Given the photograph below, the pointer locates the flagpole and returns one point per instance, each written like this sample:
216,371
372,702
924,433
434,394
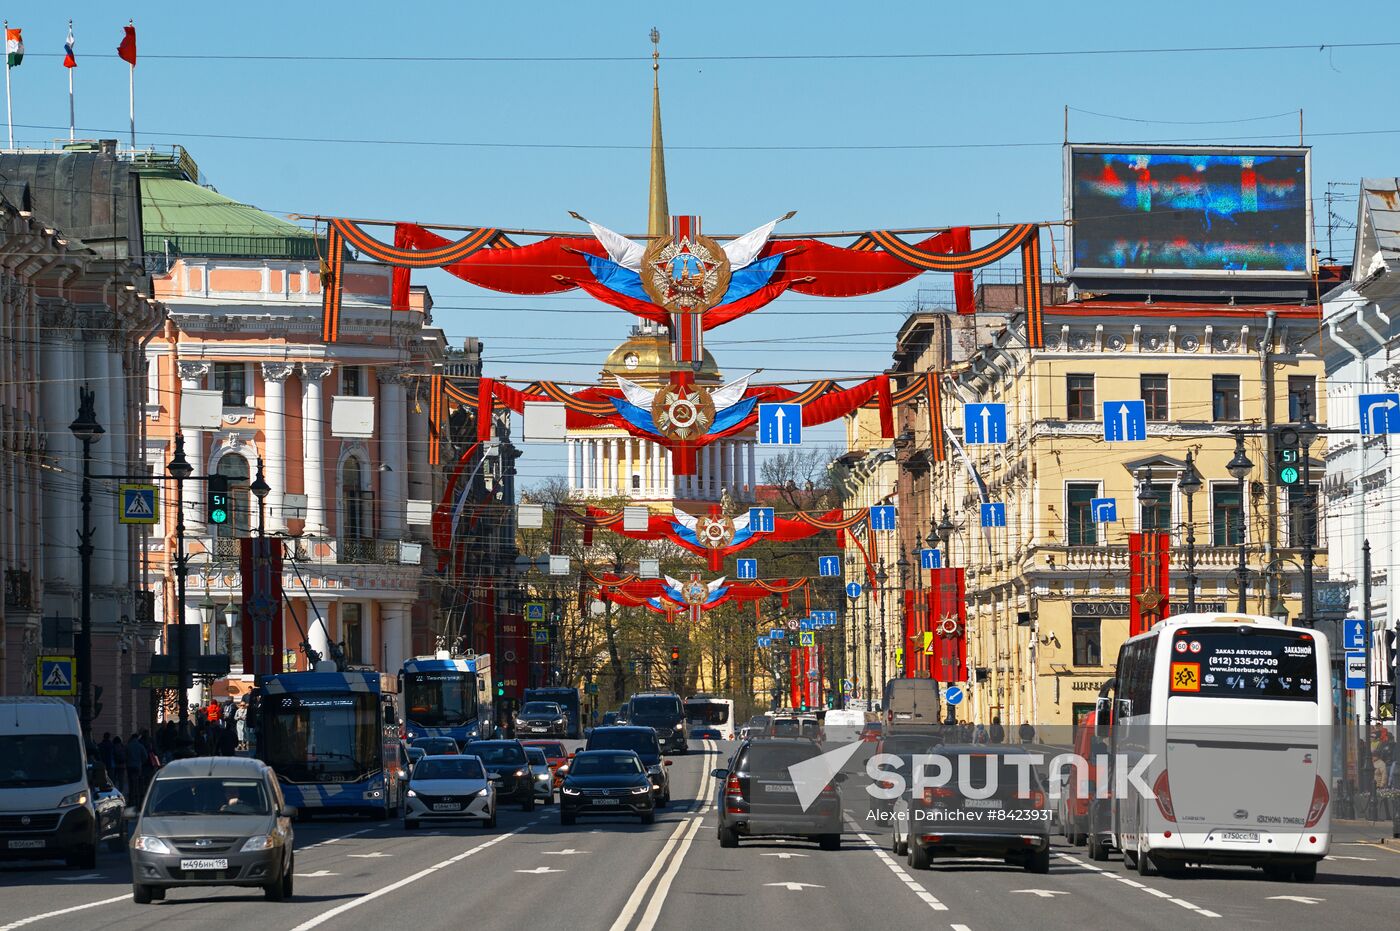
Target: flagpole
9,111
131,94
71,120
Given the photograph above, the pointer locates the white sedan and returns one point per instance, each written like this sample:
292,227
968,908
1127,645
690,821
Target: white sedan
449,788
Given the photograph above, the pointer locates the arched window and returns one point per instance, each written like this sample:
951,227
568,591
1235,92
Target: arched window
355,501
235,468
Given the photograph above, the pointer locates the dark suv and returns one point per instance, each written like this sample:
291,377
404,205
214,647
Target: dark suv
758,798
663,713
641,741
508,768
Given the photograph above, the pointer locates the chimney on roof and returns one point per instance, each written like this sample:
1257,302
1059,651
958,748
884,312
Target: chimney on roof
107,146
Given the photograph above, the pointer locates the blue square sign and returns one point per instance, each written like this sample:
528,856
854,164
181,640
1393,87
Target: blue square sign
882,517
1353,634
780,425
1380,413
829,565
805,624
994,514
1103,510
765,642
930,559
778,633
760,520
746,568
1125,421
984,423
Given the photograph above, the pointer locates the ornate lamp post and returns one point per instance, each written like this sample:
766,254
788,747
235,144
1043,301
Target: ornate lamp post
903,566
180,469
881,577
88,431
1239,468
260,489
1189,482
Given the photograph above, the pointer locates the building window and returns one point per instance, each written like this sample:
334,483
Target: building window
1158,516
1225,397
235,468
232,379
1079,397
1226,516
1081,529
1154,395
1088,647
1302,523
1302,392
350,621
636,482
350,381
355,501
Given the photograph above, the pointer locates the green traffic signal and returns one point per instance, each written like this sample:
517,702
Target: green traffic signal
1288,475
218,499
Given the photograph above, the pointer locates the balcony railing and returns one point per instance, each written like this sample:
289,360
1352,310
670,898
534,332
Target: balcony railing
1116,556
364,550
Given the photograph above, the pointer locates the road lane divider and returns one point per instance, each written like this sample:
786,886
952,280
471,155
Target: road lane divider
63,911
1134,884
663,885
912,884
634,901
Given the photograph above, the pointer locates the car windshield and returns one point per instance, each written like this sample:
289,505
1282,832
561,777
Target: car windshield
207,795
446,768
553,751
639,742
786,727
605,764
662,708
39,760
810,728
498,754
536,756
436,744
542,708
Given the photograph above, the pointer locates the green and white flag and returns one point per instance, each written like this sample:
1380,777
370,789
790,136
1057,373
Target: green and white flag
14,48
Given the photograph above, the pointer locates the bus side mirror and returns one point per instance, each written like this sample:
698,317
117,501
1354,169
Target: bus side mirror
1124,708
481,683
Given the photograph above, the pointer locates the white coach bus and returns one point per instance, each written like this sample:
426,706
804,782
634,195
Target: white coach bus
1234,714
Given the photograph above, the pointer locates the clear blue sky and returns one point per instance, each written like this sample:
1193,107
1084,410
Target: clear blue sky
1010,108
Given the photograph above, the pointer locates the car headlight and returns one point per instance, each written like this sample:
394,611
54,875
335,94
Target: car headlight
563,767
680,727
412,794
568,791
520,772
261,842
486,791
641,790
543,777
558,720
77,798
150,843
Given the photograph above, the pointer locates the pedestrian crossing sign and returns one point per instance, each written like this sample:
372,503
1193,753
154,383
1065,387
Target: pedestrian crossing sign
56,676
140,504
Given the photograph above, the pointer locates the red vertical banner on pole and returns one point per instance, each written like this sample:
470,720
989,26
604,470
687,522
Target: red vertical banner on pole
947,605
1149,580
260,564
913,635
794,677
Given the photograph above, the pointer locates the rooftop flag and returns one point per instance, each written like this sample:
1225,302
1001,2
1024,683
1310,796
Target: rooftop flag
127,50
68,60
14,48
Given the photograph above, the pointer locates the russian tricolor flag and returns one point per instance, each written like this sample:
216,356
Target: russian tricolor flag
68,60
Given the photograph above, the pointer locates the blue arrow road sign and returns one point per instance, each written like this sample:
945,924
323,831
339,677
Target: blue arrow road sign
1356,669
779,424
953,695
984,423
882,517
853,589
930,559
1353,634
1124,421
746,568
1380,413
994,514
805,624
827,617
760,520
829,565
765,642
778,633
1104,510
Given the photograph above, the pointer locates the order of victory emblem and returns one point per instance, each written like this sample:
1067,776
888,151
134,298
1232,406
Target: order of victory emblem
714,532
696,592
682,412
688,273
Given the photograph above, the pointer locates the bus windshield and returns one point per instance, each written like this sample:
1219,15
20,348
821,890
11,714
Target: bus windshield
442,698
317,737
1231,662
704,712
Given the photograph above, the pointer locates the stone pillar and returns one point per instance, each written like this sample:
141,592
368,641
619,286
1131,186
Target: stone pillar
608,469
419,480
313,444
393,440
668,481
391,631
318,631
712,469
570,451
753,471
192,375
585,462
369,652
274,443
59,401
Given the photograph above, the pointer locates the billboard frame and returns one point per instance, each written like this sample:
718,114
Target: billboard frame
1072,270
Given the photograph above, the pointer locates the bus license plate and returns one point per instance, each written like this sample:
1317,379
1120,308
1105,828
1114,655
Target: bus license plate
1244,837
607,801
446,806
26,844
194,865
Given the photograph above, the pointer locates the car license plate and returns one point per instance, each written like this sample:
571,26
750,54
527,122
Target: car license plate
189,865
780,787
539,728
26,844
607,801
983,803
446,806
1240,837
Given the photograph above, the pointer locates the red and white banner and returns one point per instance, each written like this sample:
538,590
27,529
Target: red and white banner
1149,580
260,563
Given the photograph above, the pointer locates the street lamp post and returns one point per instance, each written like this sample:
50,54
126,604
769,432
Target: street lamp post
88,431
1307,434
260,489
180,469
881,577
1189,482
1239,467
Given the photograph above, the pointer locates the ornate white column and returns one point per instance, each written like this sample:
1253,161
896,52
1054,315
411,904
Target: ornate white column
393,445
608,470
712,470
570,451
313,444
275,441
318,632
753,472
393,621
585,463
192,375
668,481
59,403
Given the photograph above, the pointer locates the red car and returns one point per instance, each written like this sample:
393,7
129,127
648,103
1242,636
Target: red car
872,732
555,755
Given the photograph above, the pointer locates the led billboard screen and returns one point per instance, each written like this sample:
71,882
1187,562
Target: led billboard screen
1188,211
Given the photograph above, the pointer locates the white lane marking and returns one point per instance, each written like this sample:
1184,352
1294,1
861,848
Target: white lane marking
795,887
1300,899
369,856
566,852
644,885
1042,893
1366,859
783,856
62,911
335,840
316,875
1189,906
931,901
540,871
385,890
663,885
961,928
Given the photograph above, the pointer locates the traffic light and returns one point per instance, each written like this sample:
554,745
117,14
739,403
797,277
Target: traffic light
96,701
1286,458
675,656
500,690
218,499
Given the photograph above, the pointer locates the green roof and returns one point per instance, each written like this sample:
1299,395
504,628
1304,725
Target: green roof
186,219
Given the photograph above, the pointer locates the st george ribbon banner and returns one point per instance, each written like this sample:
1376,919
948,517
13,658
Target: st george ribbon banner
260,560
1149,580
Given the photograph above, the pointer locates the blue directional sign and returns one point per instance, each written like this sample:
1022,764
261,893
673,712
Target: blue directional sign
829,565
806,623
824,618
760,520
807,639
765,642
778,633
1353,634
953,695
882,517
746,568
1380,413
1103,510
994,514
1124,421
1356,669
984,423
779,424
930,559
853,589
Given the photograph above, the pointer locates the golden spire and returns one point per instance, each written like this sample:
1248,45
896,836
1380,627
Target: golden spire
658,212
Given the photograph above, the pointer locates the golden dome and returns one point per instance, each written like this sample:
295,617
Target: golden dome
645,357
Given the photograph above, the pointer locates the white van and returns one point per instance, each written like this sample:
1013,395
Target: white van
46,804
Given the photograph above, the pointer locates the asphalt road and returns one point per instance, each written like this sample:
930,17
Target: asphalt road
619,874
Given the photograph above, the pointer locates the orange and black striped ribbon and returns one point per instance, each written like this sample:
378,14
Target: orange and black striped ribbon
435,406
937,443
994,251
1030,273
332,267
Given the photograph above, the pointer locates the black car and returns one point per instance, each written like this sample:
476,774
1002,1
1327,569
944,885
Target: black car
757,797
1007,822
641,741
508,768
541,719
606,782
610,718
663,713
436,746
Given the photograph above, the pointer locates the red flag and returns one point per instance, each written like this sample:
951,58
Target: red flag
1149,580
127,50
